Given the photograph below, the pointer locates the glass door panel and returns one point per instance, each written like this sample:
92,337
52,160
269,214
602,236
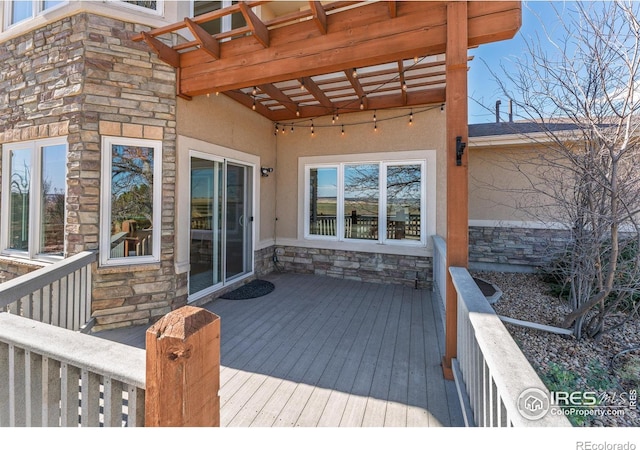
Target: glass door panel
221,223
206,220
238,222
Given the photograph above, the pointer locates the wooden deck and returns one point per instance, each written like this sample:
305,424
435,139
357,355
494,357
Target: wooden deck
321,351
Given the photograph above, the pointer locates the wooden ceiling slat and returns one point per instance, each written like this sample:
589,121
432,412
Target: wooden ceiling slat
317,93
277,94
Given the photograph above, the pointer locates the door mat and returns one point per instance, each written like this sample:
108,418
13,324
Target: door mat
253,289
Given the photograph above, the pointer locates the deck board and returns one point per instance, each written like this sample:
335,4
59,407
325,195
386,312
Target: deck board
320,351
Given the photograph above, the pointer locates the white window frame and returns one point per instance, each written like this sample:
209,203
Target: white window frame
426,160
35,203
159,11
105,202
36,10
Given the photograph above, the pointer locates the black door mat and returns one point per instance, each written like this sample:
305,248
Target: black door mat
253,289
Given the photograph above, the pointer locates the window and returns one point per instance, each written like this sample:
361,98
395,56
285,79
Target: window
19,10
223,24
33,194
131,196
144,6
383,202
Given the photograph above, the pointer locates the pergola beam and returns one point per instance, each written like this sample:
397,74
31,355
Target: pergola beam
362,36
164,52
207,42
319,16
258,28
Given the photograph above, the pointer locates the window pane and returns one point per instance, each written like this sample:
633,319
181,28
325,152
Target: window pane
53,199
131,201
323,201
46,4
226,23
404,188
20,166
21,10
145,4
361,192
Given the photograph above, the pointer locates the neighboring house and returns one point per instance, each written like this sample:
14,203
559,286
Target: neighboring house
120,141
511,227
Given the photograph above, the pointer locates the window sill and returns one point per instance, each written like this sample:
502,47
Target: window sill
133,267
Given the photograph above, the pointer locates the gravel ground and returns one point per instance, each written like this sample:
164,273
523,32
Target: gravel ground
577,366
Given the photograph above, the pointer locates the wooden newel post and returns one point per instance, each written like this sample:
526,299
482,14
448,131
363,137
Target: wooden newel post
183,370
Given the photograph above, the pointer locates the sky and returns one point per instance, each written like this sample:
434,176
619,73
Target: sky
483,89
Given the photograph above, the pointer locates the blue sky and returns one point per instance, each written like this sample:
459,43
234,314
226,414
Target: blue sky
482,86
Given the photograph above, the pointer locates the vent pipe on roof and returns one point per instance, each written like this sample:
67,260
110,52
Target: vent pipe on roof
498,111
510,111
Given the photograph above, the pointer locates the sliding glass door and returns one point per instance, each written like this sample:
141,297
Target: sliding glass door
221,245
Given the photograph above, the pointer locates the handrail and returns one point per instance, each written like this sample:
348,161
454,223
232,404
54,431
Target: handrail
58,294
67,378
495,373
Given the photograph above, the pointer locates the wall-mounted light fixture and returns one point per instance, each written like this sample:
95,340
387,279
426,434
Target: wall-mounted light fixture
460,146
265,171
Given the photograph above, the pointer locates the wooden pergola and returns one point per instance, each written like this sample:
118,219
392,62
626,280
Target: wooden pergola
343,56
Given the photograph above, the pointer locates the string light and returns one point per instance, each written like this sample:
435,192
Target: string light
361,104
208,95
404,86
276,132
302,86
255,90
333,119
312,126
354,74
442,107
337,115
297,111
254,104
217,93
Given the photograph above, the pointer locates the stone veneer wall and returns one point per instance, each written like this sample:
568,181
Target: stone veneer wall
360,266
525,248
82,77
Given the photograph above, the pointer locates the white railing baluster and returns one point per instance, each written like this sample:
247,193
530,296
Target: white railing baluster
90,399
50,392
4,386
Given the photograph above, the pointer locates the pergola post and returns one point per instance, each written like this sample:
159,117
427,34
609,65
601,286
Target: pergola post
457,170
183,370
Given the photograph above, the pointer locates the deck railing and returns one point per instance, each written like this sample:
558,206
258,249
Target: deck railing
54,377
59,294
502,388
